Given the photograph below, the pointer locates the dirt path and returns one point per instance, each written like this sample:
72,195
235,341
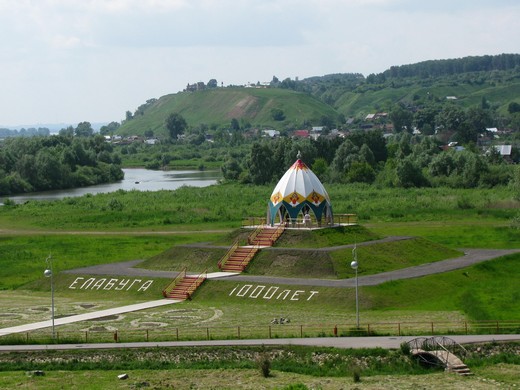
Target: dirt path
32,232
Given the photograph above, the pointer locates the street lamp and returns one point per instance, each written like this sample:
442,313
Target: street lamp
49,274
354,265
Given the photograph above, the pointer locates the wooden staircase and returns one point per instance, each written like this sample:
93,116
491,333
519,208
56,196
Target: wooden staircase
183,286
235,260
266,235
238,257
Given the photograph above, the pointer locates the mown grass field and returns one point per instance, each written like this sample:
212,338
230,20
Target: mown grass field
251,379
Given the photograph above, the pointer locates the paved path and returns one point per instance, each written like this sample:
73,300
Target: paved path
471,256
337,342
86,316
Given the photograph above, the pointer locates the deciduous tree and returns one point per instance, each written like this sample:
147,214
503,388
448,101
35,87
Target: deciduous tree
176,125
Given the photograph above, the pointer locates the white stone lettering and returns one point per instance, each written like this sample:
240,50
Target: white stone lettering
109,284
272,292
87,283
295,295
135,281
247,287
287,292
255,294
232,291
267,296
312,294
98,284
122,284
145,285
75,282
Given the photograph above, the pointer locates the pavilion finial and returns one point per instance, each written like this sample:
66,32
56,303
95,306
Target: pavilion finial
299,155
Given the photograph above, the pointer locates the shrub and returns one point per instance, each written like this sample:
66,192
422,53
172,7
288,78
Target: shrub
9,202
115,204
264,364
464,203
356,374
405,349
515,222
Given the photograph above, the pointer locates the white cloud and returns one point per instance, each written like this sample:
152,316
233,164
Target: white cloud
95,59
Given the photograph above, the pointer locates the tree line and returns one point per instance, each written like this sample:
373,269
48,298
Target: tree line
404,160
23,132
56,162
436,68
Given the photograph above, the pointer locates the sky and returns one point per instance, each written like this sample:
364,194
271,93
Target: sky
69,61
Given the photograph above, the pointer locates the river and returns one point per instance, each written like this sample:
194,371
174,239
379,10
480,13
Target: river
135,179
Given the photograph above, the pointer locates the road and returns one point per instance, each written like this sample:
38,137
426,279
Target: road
337,342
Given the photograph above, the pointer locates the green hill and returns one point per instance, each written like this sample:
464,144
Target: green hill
366,99
328,100
309,254
216,107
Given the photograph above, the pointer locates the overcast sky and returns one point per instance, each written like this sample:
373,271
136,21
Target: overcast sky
67,61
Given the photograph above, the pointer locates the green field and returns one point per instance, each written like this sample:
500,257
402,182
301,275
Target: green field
193,227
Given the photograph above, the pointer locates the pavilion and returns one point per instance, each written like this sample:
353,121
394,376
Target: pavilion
299,192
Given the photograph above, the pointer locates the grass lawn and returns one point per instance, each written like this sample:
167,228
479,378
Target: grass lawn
251,379
456,234
23,256
286,367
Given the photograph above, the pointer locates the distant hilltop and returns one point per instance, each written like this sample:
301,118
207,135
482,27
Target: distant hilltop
53,128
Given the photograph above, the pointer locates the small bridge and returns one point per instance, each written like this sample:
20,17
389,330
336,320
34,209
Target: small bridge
440,351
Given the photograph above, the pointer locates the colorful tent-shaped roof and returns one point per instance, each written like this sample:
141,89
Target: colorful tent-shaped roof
298,191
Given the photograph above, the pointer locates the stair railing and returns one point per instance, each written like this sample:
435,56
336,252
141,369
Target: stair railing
250,254
169,288
196,283
223,260
277,233
254,234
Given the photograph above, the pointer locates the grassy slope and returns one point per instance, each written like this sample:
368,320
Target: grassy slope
485,291
308,262
352,103
23,257
220,105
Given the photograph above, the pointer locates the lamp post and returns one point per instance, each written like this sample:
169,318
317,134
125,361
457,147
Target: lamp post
49,274
354,265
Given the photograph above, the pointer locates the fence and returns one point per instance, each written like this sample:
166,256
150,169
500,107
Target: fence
299,223
271,331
